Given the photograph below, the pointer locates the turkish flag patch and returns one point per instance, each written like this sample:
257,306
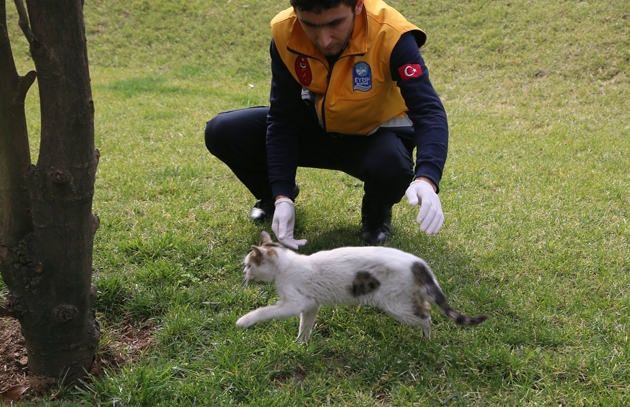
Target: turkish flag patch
409,71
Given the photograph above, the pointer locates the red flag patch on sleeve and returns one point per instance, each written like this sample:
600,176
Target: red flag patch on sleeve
409,71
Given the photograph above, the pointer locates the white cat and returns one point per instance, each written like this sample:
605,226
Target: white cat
399,283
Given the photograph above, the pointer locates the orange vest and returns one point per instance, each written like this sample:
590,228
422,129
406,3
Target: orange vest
360,95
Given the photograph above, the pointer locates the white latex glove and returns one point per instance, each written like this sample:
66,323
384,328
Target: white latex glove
283,223
431,216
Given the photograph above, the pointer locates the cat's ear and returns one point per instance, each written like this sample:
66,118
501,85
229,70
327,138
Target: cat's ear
264,238
256,256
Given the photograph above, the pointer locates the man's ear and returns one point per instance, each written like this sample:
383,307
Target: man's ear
358,8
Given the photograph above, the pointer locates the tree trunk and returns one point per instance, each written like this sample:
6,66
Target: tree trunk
15,218
46,252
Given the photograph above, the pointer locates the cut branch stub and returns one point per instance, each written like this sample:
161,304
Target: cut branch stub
65,312
96,222
4,252
58,176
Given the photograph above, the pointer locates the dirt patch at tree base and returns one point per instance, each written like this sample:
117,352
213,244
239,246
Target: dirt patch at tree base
13,359
120,345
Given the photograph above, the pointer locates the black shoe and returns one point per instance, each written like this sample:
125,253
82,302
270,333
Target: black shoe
376,223
264,208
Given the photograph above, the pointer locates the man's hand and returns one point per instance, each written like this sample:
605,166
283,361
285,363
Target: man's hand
431,216
283,223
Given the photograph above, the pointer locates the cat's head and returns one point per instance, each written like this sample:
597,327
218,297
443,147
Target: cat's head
260,263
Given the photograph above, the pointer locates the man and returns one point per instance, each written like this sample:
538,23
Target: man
349,92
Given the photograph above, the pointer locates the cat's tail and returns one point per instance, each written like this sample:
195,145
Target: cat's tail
459,318
424,277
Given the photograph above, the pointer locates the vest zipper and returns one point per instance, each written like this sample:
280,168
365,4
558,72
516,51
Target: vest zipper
326,95
327,80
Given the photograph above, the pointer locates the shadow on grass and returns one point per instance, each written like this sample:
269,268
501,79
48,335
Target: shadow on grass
327,239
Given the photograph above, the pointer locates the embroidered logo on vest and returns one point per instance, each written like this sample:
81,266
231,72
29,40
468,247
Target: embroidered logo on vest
362,77
303,70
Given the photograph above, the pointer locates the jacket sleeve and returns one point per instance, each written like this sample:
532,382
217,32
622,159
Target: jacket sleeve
425,109
282,148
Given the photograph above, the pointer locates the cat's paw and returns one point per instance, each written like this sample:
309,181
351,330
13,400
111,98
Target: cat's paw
245,322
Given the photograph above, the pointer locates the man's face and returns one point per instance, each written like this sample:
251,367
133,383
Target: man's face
330,29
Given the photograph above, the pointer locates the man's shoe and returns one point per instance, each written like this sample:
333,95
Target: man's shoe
264,208
376,224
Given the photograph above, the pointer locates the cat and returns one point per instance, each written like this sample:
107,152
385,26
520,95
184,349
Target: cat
399,283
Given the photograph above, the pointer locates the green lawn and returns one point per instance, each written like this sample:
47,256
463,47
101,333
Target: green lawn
536,194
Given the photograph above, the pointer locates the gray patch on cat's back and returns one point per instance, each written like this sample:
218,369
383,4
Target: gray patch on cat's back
364,283
421,274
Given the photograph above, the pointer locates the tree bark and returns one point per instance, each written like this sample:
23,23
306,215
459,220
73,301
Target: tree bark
46,261
15,218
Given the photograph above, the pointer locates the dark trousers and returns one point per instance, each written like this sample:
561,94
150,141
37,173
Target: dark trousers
383,160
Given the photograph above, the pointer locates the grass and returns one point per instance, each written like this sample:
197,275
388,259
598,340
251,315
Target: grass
535,193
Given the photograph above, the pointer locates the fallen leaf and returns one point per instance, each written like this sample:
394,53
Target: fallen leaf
13,394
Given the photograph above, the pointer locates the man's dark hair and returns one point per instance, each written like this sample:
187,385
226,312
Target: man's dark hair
317,6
